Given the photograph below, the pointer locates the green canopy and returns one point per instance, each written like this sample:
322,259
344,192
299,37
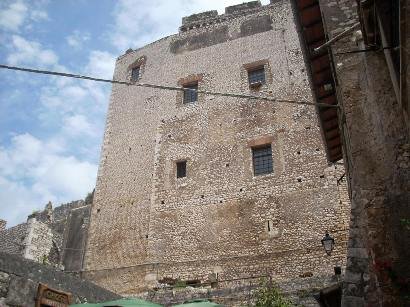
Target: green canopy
131,302
198,303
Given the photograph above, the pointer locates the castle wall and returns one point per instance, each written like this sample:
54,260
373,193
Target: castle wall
146,224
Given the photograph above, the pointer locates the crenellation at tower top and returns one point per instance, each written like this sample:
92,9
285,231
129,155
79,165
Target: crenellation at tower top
203,19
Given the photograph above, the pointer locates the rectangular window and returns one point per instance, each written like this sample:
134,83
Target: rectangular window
181,169
190,95
135,73
256,76
262,160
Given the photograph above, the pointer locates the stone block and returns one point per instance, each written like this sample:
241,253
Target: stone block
22,292
234,9
352,301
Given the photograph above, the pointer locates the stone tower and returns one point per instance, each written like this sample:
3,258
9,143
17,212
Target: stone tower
196,185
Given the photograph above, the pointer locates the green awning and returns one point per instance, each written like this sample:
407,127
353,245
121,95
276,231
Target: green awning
134,302
198,303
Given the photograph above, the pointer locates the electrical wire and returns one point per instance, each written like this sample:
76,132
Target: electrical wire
165,87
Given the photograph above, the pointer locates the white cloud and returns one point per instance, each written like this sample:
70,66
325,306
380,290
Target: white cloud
13,16
101,64
77,39
78,124
38,15
30,53
33,171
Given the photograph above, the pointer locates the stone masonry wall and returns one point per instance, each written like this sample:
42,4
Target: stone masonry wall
56,236
38,241
300,292
19,280
11,239
147,225
377,146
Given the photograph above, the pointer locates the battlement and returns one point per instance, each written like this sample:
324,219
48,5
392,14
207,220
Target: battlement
211,17
3,224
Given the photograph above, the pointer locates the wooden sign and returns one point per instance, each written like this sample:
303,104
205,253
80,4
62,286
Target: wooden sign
50,297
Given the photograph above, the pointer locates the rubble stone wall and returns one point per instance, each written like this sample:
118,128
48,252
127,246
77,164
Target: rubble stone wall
19,280
55,236
147,225
377,151
38,241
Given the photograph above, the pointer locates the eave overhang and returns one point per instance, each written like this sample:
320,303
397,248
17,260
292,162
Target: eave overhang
309,19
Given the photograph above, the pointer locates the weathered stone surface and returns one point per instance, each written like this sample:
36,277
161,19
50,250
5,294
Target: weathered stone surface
147,225
239,8
25,275
53,236
198,17
4,284
201,40
376,130
22,292
256,25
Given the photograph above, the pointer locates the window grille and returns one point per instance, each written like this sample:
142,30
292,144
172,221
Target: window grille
135,74
190,96
256,76
262,160
181,169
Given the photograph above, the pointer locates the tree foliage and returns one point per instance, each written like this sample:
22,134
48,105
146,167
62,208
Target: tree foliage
269,295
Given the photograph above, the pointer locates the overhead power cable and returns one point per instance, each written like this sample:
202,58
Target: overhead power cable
165,87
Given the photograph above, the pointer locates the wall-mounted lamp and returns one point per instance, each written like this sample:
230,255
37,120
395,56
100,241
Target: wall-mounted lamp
328,243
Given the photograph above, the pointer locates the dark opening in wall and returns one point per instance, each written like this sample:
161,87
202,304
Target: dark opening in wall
256,77
162,202
299,179
181,169
190,92
135,73
262,159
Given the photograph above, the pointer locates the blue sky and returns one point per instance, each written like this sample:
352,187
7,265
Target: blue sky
51,128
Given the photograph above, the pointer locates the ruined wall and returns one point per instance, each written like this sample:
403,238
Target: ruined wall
377,156
11,239
53,236
38,241
146,224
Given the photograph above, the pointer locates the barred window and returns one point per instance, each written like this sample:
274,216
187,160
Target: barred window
135,74
189,95
181,169
262,160
256,76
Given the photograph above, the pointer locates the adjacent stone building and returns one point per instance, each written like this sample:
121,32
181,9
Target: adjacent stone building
201,187
371,80
52,236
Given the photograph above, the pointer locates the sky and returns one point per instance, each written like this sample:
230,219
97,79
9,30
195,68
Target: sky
51,128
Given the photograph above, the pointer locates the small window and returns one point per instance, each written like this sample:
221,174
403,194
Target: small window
181,169
191,94
256,76
262,160
135,74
